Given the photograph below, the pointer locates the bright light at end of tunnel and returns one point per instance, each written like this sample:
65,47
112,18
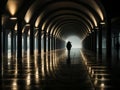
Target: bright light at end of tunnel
75,41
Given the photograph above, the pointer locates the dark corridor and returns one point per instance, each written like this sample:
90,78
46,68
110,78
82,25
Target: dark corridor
33,38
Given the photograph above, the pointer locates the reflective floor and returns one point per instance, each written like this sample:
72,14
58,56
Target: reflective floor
58,71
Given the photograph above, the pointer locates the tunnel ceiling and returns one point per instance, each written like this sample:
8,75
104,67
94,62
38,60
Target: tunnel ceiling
61,18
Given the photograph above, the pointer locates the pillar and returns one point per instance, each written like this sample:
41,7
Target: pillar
0,34
100,40
49,37
1,12
52,40
2,6
19,39
25,42
88,42
44,41
39,41
117,45
4,41
31,40
12,36
95,41
114,40
14,45
91,41
85,43
109,39
54,43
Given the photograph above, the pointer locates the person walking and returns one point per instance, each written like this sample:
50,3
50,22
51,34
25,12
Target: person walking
69,46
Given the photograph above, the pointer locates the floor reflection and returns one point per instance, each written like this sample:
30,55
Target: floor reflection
50,70
99,73
68,60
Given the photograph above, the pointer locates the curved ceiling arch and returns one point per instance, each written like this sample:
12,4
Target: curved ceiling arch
88,10
62,21
53,28
32,10
66,12
68,5
70,17
94,6
74,12
80,33
59,18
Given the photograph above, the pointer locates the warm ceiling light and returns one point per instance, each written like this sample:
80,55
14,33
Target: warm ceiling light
28,16
27,24
12,6
13,18
38,20
28,32
43,26
94,20
102,23
23,30
36,28
16,27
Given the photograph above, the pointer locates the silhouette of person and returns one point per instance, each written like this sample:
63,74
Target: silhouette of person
68,46
68,60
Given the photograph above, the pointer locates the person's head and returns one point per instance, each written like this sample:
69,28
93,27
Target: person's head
69,42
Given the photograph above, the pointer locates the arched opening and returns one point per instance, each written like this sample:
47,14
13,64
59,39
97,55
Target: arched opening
75,41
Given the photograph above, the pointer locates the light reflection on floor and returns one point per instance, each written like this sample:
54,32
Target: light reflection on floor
32,71
99,74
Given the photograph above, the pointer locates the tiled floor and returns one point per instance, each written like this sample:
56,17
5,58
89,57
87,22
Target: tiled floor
57,71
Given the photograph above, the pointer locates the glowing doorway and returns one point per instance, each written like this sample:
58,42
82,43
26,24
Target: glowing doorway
75,41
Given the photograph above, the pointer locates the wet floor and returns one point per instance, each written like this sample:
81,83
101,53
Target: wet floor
57,71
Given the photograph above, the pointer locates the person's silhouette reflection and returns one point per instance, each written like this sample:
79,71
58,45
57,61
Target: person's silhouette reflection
68,61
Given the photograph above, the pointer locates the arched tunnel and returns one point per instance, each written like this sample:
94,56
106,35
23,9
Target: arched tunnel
34,36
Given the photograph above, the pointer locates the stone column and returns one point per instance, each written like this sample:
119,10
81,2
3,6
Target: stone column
95,41
55,47
19,39
0,34
100,40
25,42
44,41
49,37
31,40
52,41
39,41
109,38
12,36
